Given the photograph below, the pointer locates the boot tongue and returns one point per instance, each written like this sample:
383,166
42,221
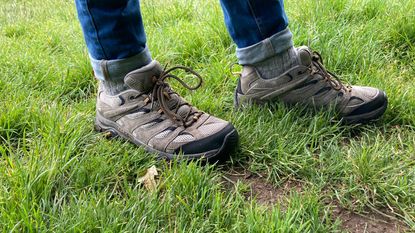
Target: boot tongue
142,79
184,109
305,55
177,100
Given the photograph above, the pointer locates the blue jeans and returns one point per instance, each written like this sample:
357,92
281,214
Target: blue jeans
116,40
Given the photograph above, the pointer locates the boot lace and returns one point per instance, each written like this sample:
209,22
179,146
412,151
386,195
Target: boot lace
163,93
332,79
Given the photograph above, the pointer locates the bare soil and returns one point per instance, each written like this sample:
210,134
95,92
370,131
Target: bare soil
370,222
268,195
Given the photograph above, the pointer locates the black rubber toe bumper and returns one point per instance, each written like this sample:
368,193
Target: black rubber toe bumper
221,144
370,111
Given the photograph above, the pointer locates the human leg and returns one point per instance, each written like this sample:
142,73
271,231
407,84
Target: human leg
274,70
134,100
259,29
115,37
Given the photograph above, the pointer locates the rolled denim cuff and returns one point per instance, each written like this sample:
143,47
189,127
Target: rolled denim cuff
265,49
105,70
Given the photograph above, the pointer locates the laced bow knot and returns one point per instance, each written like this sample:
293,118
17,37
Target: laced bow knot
329,77
162,93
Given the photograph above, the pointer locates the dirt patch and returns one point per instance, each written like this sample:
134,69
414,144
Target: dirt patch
264,192
268,195
371,222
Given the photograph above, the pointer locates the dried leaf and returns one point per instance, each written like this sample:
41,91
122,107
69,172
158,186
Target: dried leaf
149,179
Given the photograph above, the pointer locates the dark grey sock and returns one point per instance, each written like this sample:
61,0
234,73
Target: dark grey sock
114,81
111,73
278,64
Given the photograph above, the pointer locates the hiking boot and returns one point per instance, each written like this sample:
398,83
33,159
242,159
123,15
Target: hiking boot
311,84
150,114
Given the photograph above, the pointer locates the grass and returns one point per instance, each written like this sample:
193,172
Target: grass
57,174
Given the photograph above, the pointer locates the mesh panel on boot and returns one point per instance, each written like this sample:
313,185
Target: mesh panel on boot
163,134
184,138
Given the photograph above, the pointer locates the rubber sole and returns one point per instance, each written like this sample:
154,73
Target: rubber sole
230,143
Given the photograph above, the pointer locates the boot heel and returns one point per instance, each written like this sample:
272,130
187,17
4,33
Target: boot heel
108,133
